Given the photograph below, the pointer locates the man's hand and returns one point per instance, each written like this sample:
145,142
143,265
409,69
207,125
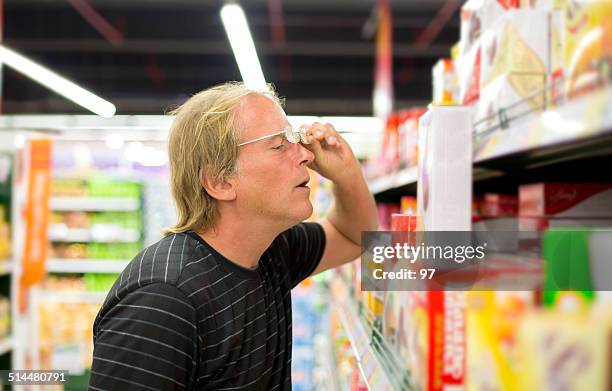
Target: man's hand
334,158
353,209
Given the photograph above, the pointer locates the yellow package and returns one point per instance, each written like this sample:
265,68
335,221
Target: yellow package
564,352
492,321
519,43
588,43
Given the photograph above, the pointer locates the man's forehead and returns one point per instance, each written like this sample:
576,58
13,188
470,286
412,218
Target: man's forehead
261,116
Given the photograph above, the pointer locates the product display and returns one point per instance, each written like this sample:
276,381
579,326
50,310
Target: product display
65,339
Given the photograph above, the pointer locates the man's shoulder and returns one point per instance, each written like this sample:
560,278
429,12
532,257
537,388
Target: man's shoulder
165,261
298,235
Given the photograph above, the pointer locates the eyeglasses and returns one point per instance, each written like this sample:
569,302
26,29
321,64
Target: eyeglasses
290,134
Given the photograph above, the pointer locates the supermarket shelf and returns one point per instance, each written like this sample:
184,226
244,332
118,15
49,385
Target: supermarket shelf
372,370
402,178
580,128
85,266
72,296
566,130
6,345
94,204
60,233
6,267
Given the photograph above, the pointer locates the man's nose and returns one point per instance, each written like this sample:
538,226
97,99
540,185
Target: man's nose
305,155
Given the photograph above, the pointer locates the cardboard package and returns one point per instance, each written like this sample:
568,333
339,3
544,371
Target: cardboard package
492,320
469,75
577,266
477,16
444,194
445,82
588,44
517,44
558,351
566,200
432,340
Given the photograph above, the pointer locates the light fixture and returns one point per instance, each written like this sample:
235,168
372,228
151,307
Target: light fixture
56,83
239,35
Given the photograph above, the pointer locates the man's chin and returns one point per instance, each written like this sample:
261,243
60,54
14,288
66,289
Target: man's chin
306,214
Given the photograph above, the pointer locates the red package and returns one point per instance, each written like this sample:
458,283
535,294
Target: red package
435,333
566,200
498,205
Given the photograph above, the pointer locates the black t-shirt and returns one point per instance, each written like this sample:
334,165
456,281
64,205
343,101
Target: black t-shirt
183,317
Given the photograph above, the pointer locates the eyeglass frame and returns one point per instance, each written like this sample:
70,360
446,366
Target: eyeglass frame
294,138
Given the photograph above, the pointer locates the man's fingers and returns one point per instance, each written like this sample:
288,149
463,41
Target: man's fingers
323,132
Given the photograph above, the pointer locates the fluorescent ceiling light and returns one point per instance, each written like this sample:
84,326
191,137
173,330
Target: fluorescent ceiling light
239,35
57,83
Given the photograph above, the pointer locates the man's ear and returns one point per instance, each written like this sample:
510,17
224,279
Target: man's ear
223,190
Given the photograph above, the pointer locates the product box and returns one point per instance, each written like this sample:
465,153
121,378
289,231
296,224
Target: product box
385,210
391,313
508,93
577,260
391,144
444,193
556,34
469,75
588,44
478,16
408,128
492,320
558,351
435,343
498,205
445,82
566,200
408,205
518,43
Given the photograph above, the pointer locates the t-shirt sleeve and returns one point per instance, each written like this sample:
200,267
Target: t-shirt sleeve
147,341
302,248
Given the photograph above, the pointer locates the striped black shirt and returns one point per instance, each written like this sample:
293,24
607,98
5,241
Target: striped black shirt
183,317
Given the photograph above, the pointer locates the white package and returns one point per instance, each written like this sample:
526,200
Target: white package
444,195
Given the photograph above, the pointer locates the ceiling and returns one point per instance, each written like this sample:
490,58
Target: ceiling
149,55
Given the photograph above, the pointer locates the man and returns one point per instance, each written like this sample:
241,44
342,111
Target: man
208,307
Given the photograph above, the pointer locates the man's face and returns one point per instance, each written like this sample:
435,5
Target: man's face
271,173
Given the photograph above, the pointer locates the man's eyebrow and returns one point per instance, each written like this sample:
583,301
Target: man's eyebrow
275,138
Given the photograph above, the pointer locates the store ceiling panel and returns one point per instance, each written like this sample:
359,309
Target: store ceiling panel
318,53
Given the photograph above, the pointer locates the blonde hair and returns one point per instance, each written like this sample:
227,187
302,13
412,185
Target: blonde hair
204,136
